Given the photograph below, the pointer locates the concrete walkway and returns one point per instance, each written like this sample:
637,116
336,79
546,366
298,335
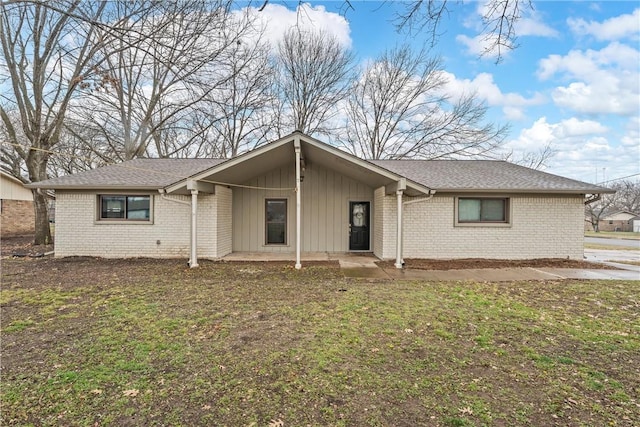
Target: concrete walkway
511,274
364,266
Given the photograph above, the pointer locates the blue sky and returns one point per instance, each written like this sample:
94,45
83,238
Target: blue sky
573,82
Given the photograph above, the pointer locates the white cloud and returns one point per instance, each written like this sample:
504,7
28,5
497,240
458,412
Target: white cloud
583,147
481,45
277,19
605,81
533,26
483,85
615,28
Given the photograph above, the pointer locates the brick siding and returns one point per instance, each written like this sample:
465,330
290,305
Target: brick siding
541,227
167,236
17,218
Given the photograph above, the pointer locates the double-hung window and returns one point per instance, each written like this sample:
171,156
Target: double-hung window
482,210
276,221
125,208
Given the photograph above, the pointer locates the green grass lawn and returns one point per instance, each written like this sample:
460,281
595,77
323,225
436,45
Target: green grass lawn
93,343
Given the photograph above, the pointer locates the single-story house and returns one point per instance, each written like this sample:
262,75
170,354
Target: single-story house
298,195
17,215
616,221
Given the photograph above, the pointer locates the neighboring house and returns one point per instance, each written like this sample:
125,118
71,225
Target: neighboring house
635,224
299,195
17,215
617,221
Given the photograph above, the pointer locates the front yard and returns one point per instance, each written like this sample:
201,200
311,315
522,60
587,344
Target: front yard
143,342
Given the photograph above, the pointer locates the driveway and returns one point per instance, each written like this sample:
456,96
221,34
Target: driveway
600,255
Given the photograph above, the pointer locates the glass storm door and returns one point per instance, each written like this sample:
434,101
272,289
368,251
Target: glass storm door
359,226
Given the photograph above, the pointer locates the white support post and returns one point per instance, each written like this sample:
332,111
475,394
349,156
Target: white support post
398,263
298,203
193,261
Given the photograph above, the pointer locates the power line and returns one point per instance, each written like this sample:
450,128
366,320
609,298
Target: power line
618,179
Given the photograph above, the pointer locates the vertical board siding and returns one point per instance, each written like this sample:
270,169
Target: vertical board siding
223,221
325,199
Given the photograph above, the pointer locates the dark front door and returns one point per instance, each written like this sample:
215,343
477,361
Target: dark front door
359,226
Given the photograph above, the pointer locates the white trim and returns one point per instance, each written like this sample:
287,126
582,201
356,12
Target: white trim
298,149
398,263
193,260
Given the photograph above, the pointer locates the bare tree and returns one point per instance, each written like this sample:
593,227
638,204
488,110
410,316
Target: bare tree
499,18
424,17
236,116
47,55
532,159
152,85
626,198
397,109
314,75
596,210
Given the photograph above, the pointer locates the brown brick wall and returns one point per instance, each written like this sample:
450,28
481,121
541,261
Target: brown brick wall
616,225
17,217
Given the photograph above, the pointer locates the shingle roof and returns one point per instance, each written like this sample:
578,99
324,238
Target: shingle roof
138,174
483,175
440,175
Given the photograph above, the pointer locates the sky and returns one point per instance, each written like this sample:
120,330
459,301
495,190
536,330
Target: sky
573,81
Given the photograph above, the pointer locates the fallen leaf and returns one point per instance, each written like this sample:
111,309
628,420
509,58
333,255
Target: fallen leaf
466,411
276,423
96,391
206,407
131,393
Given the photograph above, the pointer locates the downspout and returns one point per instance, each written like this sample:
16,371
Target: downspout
593,198
163,196
398,263
422,199
399,259
296,144
193,261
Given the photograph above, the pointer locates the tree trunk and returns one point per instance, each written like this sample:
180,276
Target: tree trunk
37,166
43,231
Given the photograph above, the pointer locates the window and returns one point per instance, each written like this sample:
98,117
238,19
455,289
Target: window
128,208
276,221
483,210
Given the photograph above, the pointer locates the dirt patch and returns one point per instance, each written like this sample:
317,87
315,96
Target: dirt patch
22,246
468,263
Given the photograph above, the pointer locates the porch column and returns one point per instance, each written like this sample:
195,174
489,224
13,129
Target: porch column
193,260
398,263
297,147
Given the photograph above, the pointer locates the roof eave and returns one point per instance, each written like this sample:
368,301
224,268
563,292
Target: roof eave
95,187
526,191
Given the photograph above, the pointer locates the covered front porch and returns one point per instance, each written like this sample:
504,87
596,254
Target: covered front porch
298,199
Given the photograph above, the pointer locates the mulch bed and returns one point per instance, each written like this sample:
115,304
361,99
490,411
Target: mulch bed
22,246
469,263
